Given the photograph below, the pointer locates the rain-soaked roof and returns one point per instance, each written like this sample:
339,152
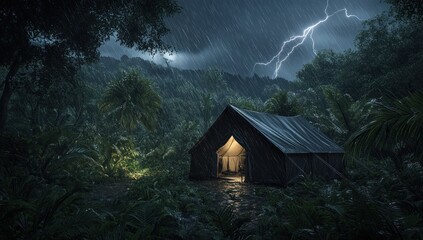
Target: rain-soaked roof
290,134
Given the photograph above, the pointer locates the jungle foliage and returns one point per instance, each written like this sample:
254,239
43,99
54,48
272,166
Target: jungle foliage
100,150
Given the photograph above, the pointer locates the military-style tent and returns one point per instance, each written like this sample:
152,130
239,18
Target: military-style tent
265,148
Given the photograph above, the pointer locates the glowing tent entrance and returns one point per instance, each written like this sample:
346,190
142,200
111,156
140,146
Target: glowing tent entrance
231,157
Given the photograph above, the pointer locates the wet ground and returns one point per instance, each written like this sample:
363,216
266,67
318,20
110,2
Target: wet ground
242,197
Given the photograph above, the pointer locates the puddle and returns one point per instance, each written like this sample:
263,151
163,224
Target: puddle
242,197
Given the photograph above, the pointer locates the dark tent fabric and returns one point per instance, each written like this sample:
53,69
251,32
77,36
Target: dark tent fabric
290,134
276,149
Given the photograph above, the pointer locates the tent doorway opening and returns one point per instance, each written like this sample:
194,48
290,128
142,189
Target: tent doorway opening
231,160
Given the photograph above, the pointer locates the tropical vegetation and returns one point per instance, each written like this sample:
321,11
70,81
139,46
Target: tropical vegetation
97,148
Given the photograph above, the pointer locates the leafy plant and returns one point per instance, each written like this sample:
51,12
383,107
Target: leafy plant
280,103
345,114
131,100
228,223
398,123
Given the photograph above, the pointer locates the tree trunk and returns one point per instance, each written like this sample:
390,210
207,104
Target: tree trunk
7,93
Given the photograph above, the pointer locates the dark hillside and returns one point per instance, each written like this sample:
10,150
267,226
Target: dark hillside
169,77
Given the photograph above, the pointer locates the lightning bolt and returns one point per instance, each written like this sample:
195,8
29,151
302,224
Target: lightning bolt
298,40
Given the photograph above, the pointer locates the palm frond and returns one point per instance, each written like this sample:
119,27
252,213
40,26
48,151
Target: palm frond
396,122
130,100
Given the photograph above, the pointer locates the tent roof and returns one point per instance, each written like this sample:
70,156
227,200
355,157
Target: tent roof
289,134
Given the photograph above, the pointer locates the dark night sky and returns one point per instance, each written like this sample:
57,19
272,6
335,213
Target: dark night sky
232,35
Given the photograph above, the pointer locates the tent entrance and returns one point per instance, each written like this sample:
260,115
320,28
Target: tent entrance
231,158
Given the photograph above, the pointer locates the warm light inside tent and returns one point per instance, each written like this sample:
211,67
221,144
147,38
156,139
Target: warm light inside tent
231,156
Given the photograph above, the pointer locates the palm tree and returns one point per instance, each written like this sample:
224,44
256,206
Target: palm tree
280,104
130,100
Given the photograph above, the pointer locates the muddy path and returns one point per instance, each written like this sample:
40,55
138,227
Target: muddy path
242,197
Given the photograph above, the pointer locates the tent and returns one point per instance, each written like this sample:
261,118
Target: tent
264,148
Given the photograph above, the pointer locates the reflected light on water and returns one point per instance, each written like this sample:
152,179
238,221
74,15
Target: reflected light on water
242,197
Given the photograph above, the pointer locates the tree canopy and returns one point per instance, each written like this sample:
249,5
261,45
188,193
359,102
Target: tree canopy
33,33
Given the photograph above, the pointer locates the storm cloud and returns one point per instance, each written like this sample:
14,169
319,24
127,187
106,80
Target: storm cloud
233,35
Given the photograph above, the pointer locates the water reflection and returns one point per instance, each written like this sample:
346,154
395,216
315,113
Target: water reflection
242,197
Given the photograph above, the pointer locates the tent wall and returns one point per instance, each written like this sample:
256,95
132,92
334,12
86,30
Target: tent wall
297,165
325,165
328,165
202,165
267,164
